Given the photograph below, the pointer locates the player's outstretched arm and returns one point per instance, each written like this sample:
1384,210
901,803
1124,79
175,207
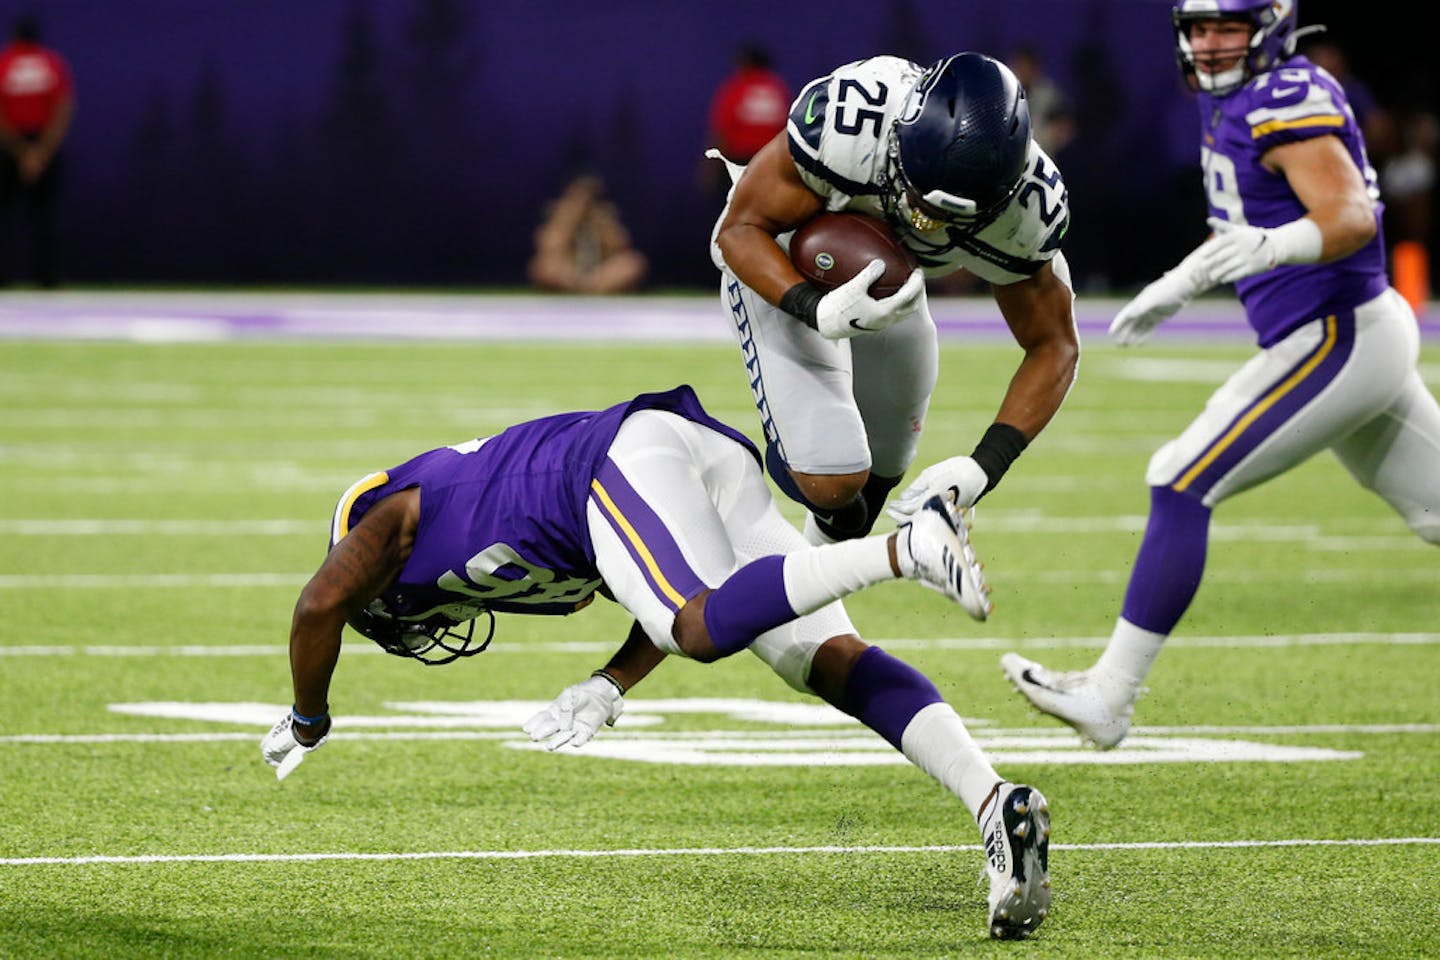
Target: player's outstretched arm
1039,313
576,715
353,573
770,199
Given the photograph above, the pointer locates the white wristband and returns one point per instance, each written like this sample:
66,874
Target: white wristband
1298,241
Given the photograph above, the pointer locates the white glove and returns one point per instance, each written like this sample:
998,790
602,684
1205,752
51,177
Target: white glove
1162,299
577,713
849,310
959,481
1238,250
276,745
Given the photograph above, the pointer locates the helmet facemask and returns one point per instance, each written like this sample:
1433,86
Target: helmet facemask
935,209
1272,37
435,639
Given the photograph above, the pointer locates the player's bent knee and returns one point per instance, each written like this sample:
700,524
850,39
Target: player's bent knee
831,491
691,633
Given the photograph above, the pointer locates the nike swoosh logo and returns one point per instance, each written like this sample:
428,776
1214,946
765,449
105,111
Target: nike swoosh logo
810,115
856,325
1029,678
1283,91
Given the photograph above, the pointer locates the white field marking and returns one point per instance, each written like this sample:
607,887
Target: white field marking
135,527
841,742
1277,575
977,727
703,851
1163,370
170,581
357,648
1051,748
410,734
1019,521
131,581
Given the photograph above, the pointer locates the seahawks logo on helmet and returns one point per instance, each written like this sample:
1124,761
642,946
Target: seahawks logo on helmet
960,145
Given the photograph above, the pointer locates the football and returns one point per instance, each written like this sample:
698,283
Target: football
833,247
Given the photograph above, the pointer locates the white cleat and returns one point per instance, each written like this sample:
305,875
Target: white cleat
934,549
1073,697
1016,831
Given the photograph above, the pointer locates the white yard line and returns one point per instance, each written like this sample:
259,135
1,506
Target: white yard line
95,527
1422,574
697,852
128,581
893,643
988,734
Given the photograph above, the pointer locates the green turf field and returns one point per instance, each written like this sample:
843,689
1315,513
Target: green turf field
161,506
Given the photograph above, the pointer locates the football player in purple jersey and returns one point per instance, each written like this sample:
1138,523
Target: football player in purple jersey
659,507
1296,217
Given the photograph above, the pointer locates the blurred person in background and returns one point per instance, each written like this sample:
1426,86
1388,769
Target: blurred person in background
37,102
1407,185
842,381
583,247
1373,118
1051,122
746,112
1295,210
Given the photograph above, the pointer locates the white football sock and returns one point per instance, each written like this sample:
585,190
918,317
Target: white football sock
937,742
816,576
1126,662
813,534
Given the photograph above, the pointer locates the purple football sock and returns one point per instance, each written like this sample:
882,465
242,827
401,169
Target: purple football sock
885,693
1170,562
749,602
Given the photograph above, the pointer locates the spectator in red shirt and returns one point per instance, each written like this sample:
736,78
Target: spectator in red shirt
747,110
37,101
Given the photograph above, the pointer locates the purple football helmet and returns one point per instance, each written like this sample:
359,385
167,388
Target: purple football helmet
1272,39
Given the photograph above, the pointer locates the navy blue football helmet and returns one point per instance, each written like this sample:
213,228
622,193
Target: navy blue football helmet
959,148
1272,40
433,640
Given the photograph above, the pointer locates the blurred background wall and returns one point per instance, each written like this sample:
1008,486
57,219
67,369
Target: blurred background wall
416,142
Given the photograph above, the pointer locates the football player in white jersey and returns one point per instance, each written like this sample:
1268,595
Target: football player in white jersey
842,381
1294,205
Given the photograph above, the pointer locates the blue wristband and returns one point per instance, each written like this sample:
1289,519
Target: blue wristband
300,718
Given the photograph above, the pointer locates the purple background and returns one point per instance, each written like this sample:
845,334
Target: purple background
416,141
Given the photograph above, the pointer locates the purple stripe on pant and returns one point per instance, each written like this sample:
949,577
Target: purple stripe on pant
648,540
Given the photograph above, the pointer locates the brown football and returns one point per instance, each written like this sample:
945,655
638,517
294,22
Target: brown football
833,247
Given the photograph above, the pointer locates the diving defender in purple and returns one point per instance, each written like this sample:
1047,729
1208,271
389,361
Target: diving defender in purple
661,508
1296,213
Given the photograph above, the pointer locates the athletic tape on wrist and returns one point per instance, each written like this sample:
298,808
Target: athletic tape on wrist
1001,445
802,302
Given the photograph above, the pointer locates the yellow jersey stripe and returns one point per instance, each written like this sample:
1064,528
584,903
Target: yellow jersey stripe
1266,402
636,544
341,525
1334,120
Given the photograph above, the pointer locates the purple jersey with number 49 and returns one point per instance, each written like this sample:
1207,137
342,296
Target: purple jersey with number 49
503,519
1296,101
